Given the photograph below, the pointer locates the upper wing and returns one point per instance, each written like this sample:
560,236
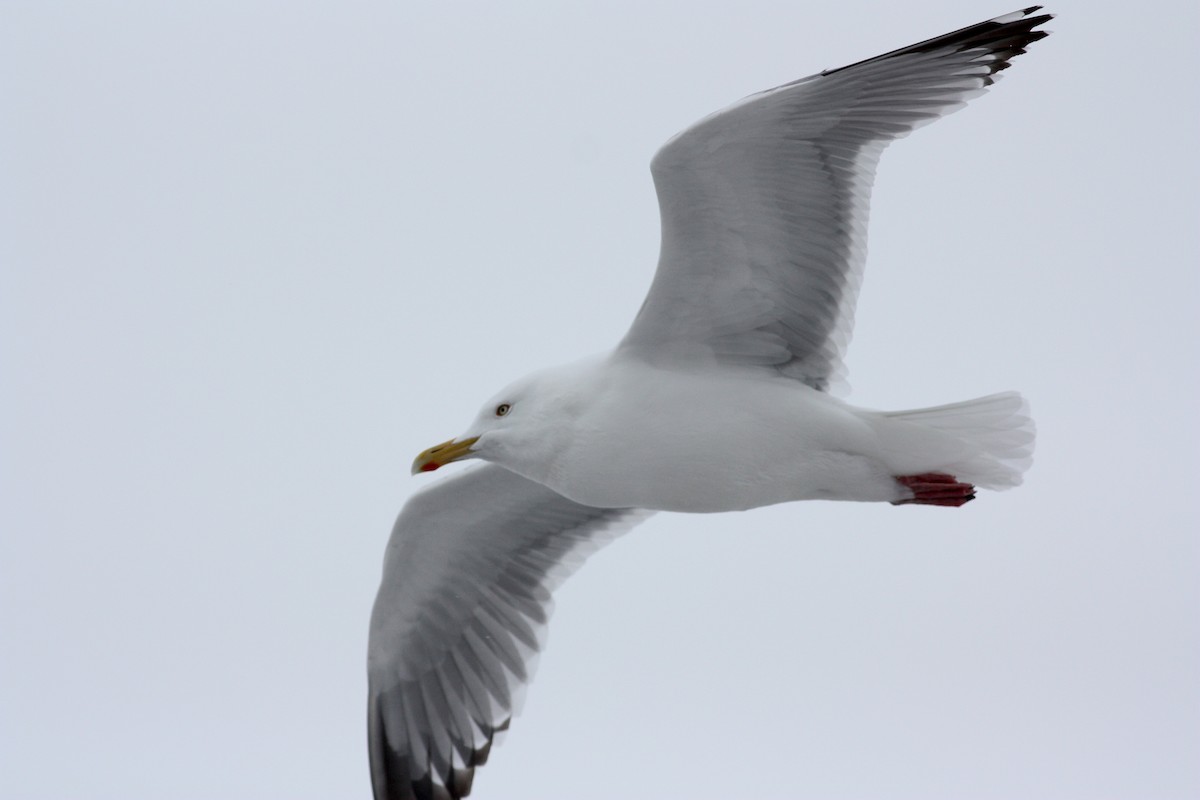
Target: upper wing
460,612
764,204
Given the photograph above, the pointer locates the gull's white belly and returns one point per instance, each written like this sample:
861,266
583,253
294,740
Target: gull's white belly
701,442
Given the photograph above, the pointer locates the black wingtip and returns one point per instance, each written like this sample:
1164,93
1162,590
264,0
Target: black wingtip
1005,36
395,776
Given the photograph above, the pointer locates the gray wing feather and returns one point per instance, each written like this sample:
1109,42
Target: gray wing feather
459,617
764,204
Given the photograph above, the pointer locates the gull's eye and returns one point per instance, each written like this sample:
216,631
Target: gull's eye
502,409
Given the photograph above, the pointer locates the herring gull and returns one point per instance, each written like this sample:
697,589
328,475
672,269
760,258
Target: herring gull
717,399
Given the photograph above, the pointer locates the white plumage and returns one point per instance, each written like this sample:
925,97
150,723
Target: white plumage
716,400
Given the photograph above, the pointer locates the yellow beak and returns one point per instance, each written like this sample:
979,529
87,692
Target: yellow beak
442,454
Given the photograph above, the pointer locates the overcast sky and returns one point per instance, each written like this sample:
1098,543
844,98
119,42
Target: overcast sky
254,256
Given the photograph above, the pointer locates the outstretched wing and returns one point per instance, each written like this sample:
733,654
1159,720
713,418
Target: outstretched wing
764,204
460,613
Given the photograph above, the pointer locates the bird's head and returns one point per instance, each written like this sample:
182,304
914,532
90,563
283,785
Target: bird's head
520,427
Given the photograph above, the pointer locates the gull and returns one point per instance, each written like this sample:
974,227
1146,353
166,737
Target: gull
717,399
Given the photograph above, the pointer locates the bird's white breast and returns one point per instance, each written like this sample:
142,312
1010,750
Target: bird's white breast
706,440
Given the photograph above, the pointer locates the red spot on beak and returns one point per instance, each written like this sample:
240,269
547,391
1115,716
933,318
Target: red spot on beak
429,466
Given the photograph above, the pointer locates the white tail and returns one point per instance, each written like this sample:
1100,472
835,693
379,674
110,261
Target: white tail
987,441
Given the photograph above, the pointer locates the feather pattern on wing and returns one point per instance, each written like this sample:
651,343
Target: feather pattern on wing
459,618
764,204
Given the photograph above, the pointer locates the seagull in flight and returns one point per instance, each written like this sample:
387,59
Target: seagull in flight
717,399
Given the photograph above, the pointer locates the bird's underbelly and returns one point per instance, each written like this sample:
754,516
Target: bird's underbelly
721,456
689,487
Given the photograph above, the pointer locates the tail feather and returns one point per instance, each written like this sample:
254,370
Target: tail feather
987,441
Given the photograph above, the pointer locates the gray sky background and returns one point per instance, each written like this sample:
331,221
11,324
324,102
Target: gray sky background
254,256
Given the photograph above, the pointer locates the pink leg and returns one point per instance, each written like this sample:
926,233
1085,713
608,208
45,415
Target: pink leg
935,489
